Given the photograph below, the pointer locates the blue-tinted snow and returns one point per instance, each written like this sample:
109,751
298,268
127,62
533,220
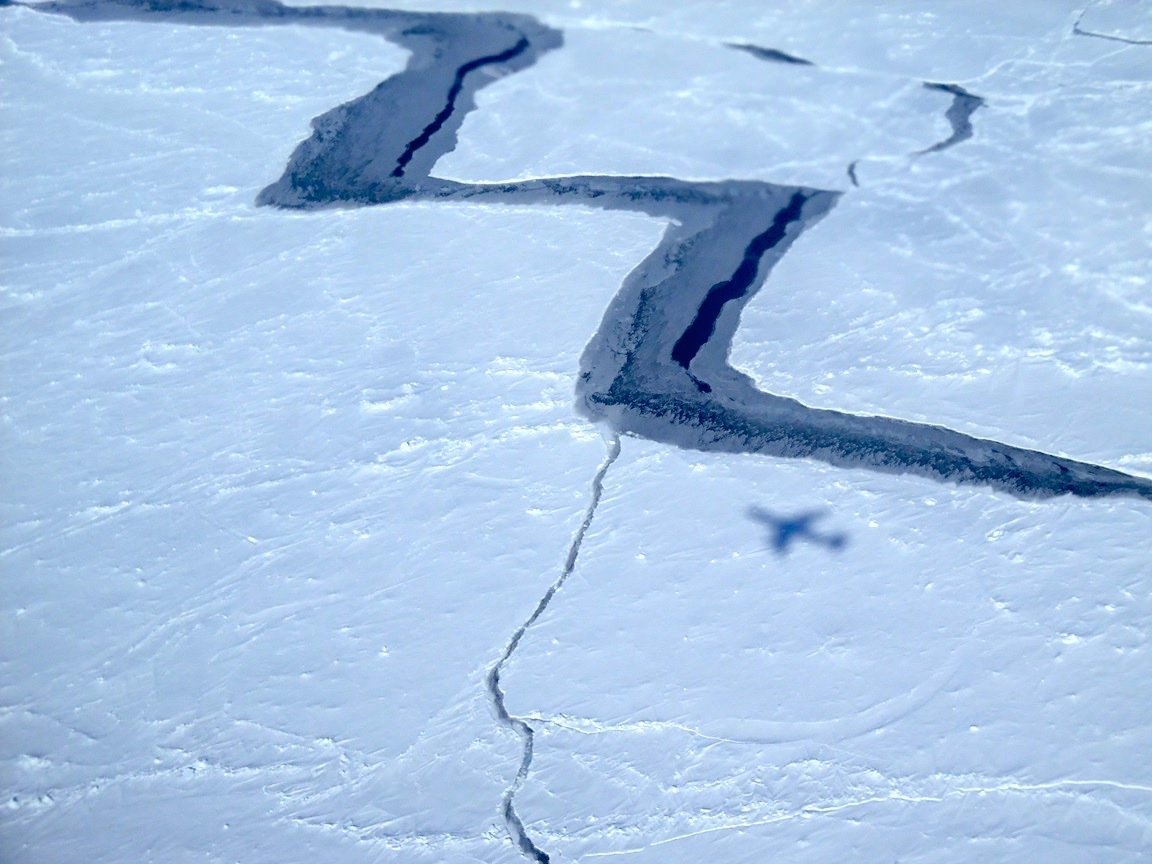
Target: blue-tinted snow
272,521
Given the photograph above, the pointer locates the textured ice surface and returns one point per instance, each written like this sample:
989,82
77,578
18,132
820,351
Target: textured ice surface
279,487
698,695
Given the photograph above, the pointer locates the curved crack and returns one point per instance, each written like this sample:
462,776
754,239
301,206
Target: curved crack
496,693
959,114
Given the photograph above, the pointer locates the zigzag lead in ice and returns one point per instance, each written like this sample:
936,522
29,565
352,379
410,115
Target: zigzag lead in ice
658,366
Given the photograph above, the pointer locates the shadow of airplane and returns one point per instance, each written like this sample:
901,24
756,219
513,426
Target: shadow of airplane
785,529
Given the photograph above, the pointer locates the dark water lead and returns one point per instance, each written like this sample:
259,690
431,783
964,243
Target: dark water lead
453,94
680,307
703,325
772,55
382,145
959,114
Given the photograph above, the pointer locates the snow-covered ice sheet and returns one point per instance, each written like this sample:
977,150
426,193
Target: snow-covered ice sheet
961,679
278,487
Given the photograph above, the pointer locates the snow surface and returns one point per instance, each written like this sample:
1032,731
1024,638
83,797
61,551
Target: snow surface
279,487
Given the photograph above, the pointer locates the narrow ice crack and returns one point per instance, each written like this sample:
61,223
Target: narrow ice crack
518,724
772,55
1079,31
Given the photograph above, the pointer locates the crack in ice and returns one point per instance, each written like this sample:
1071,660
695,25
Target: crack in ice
629,376
1080,31
772,55
679,308
959,114
518,724
703,326
453,94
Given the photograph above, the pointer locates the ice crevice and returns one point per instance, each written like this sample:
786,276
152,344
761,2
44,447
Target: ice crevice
1122,39
518,724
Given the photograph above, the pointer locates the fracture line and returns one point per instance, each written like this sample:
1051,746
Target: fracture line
515,826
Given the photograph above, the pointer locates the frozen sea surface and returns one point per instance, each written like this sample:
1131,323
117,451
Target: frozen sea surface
280,486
